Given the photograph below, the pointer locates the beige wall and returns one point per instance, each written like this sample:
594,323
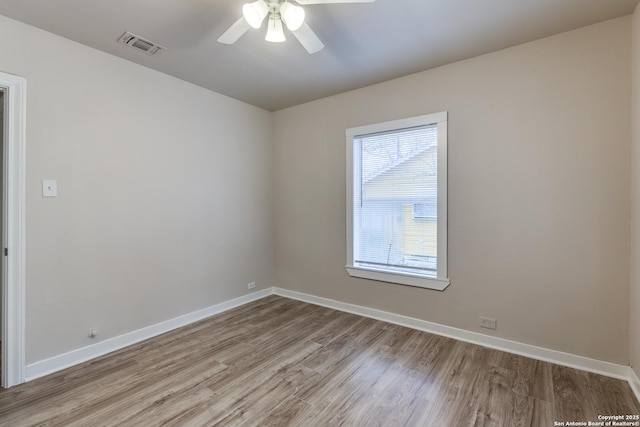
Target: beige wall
635,218
539,184
165,196
1,186
164,202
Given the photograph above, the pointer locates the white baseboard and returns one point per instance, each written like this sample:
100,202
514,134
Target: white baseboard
634,382
74,357
527,350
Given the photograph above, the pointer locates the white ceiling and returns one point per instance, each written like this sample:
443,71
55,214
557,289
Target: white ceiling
365,43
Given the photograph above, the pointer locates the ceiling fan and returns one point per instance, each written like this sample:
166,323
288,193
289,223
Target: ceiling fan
279,11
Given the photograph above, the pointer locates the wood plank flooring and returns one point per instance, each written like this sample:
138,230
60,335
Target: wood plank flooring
280,362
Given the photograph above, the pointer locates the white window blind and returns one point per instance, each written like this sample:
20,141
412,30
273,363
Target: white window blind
397,177
397,200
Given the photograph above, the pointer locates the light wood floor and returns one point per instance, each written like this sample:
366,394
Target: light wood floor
279,362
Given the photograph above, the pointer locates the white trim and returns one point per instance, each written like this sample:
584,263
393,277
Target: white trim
634,382
352,191
13,227
398,277
350,230
398,124
74,357
443,191
534,352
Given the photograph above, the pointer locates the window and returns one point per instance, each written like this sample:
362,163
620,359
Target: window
427,210
397,201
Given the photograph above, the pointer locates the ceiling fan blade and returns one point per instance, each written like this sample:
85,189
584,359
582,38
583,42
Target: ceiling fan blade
234,32
305,2
308,38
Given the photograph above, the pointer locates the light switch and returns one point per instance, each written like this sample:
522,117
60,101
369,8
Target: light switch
49,188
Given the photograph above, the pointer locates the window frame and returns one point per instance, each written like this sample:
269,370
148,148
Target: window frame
441,280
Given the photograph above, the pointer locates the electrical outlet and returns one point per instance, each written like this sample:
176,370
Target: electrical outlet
93,333
251,285
488,323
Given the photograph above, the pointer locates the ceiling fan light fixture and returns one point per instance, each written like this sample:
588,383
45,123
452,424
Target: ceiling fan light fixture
275,33
292,15
255,12
279,11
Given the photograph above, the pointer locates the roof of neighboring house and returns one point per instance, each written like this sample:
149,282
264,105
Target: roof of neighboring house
400,180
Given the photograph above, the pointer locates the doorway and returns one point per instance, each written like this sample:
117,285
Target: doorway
12,266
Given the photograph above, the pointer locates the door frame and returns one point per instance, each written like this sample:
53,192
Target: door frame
13,230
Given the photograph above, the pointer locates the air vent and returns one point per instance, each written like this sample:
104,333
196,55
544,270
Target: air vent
140,44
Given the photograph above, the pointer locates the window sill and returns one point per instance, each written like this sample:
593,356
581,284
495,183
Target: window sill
398,278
